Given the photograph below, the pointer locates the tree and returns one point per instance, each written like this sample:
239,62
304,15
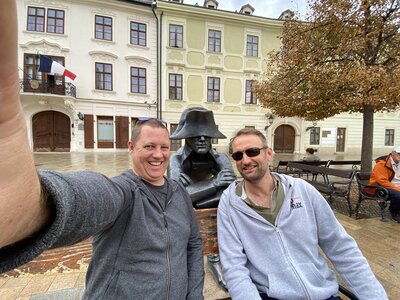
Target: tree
344,58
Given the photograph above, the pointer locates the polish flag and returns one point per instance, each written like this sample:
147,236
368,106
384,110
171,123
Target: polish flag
47,65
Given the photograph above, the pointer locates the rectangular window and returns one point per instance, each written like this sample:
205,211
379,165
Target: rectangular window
214,40
103,28
138,34
389,137
213,89
105,132
314,135
104,77
35,19
55,21
252,45
250,97
175,86
138,80
175,144
176,36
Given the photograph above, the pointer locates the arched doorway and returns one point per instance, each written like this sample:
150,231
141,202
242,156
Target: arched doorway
284,139
51,132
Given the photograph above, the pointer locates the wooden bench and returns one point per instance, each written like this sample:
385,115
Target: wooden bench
353,163
370,192
336,183
282,167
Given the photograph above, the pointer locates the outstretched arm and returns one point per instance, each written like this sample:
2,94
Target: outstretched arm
21,211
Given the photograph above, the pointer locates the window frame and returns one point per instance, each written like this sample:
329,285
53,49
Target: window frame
389,137
252,42
138,80
55,18
174,36
138,34
103,26
213,45
175,91
213,89
315,135
250,96
36,17
175,144
102,85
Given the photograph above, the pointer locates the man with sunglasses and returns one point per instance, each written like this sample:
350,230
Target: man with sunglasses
270,229
146,242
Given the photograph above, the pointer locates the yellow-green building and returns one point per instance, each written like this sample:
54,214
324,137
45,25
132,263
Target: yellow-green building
210,58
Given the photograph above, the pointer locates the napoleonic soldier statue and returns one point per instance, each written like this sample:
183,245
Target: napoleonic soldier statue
202,170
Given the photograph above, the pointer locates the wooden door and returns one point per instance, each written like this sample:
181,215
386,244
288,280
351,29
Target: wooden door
121,132
51,132
284,138
340,139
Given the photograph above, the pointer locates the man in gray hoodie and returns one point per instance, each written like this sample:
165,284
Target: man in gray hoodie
270,229
146,242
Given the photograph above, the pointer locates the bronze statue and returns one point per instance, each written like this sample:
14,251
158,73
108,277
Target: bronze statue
202,170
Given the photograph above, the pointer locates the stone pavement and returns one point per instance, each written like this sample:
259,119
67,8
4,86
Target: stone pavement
60,273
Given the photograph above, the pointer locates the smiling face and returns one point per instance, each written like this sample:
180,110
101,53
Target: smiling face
150,154
199,144
252,169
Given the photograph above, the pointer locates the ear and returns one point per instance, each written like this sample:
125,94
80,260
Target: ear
131,146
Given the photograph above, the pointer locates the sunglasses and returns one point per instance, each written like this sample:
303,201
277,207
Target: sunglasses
251,152
145,119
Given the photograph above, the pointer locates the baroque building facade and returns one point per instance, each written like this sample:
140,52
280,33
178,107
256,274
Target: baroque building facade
155,59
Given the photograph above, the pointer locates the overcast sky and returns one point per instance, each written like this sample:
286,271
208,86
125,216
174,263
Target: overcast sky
263,8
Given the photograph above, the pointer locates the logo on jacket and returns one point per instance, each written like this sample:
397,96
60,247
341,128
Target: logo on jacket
295,202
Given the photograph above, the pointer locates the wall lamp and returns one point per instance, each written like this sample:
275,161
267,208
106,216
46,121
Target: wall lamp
314,124
80,116
270,117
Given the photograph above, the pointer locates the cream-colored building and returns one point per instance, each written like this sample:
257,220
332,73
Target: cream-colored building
154,59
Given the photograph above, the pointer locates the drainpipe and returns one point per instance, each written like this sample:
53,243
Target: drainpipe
159,25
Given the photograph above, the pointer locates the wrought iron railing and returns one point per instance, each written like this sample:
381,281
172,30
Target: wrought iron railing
48,87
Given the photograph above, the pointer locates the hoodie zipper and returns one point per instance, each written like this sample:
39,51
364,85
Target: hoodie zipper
278,233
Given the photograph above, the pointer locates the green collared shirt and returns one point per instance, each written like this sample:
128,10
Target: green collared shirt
276,202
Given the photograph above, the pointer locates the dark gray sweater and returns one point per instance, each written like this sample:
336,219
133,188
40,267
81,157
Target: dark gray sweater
140,250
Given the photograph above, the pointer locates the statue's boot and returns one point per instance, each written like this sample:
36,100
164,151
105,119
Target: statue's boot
215,266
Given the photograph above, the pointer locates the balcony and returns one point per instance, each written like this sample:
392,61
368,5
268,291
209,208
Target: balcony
48,87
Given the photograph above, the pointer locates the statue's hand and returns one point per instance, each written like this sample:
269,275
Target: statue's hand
185,179
224,178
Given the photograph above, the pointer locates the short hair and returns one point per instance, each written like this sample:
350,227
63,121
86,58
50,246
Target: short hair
248,131
310,150
154,123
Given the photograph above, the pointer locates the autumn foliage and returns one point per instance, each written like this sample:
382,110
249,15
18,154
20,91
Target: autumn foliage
344,58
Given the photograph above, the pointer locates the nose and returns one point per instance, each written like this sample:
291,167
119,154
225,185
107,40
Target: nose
202,138
157,152
245,158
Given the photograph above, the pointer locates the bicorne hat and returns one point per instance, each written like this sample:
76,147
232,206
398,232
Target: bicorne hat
197,121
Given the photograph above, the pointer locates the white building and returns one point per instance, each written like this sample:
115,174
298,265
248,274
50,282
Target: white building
111,47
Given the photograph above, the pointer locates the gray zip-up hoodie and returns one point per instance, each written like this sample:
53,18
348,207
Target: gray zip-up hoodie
142,248
283,259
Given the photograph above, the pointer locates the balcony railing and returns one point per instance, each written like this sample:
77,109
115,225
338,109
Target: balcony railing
48,87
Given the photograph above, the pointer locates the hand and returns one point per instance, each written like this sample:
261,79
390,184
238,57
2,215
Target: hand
224,178
20,207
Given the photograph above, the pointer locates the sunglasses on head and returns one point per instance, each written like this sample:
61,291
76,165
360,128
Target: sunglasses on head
251,152
145,119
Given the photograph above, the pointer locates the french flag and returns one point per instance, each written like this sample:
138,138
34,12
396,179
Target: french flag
47,65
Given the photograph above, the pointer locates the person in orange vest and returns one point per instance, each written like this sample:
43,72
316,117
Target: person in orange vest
386,173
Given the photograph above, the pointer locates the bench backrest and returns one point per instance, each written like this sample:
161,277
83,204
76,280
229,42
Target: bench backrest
322,170
284,163
353,163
